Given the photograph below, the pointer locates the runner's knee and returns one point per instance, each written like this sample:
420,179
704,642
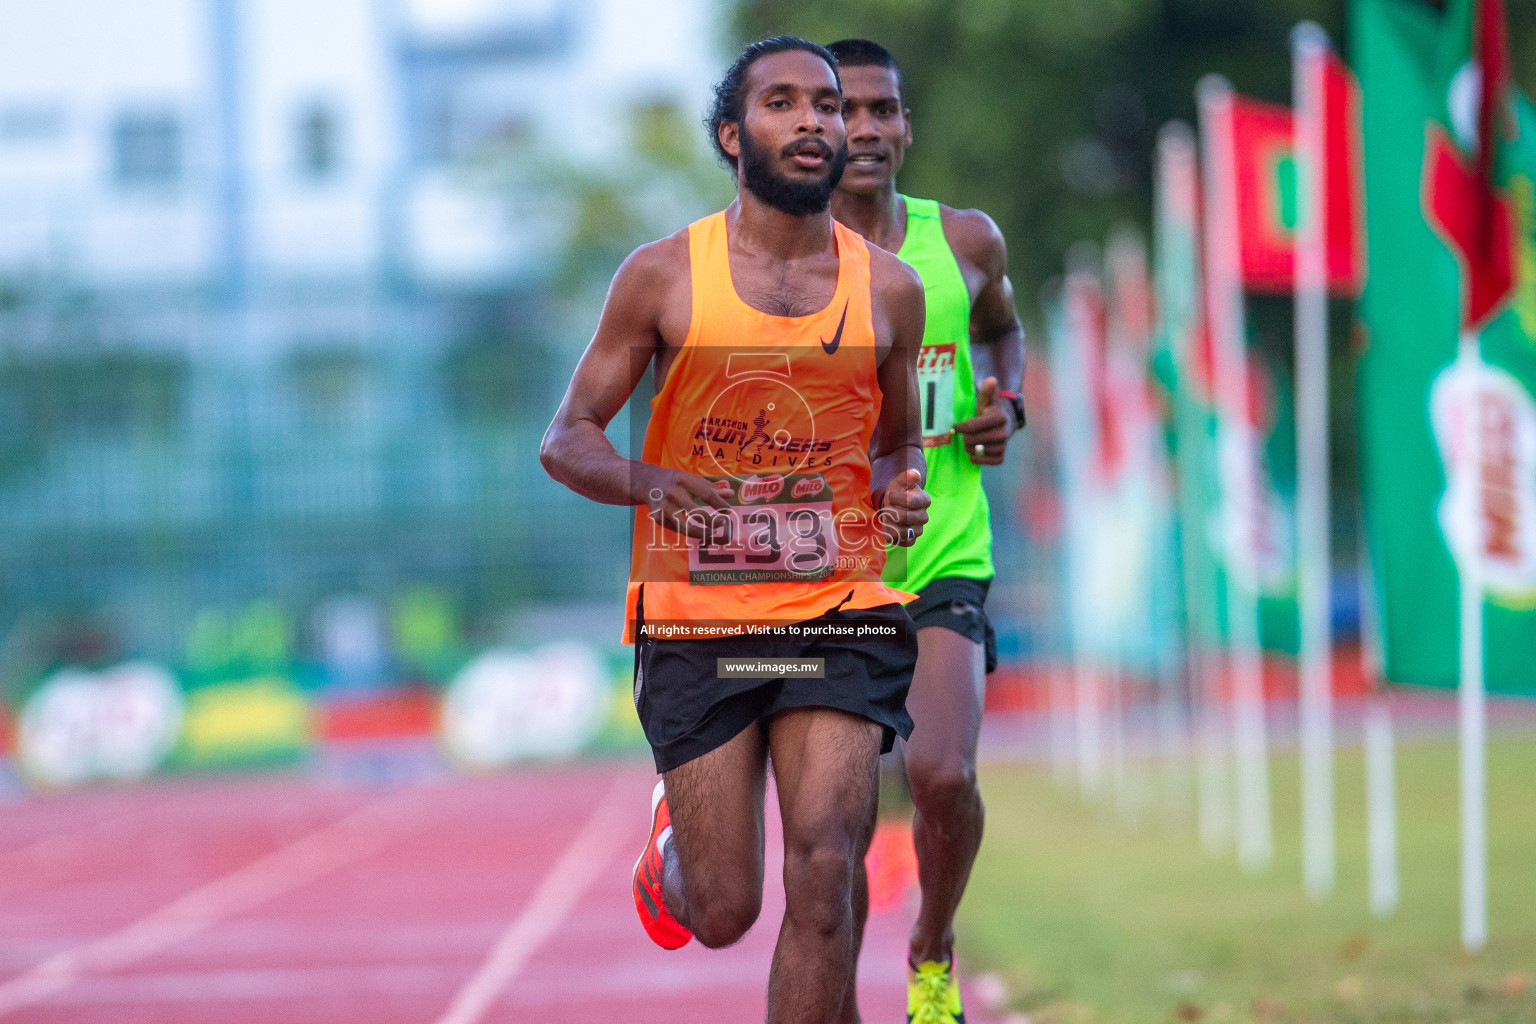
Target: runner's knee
818,884
722,918
941,783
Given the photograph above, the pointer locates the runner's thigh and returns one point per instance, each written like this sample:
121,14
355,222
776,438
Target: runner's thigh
824,767
945,700
717,819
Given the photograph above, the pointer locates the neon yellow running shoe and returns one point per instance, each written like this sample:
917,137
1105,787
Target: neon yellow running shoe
933,994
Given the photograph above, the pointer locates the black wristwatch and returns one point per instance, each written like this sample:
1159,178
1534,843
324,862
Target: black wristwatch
1016,402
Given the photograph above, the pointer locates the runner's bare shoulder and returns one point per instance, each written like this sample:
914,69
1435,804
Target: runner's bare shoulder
896,298
893,282
653,285
976,240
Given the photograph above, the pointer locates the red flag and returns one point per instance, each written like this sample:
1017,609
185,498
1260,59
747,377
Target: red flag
1462,199
1475,221
1269,203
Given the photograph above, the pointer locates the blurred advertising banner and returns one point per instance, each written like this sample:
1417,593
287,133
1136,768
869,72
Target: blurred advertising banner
248,694
1453,241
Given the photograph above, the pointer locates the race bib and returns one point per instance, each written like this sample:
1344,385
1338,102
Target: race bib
936,389
778,529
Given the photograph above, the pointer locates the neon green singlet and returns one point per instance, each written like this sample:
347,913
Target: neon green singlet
958,538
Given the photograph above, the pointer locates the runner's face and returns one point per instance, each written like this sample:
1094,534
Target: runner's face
879,129
791,132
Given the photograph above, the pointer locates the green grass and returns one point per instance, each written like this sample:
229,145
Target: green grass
1090,919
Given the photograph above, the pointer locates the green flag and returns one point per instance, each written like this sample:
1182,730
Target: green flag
1436,259
1183,366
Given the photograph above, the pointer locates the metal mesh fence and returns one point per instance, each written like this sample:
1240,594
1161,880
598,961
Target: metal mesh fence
140,491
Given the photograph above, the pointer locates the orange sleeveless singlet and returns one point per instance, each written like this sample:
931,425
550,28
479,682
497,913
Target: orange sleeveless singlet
778,412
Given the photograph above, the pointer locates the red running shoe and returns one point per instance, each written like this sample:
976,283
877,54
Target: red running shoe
661,926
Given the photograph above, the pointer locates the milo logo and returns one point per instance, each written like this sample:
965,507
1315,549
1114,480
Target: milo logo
755,488
935,359
936,393
807,487
1488,511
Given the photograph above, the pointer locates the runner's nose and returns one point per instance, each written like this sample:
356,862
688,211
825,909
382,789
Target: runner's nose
810,120
861,128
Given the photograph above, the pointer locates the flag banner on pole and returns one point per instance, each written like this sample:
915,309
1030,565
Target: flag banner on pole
1252,512
1254,517
1452,233
1077,310
1237,456
1272,405
1109,487
1184,362
1270,203
1142,493
1183,342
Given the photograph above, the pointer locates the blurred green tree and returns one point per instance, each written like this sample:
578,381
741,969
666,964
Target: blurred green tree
1044,113
659,177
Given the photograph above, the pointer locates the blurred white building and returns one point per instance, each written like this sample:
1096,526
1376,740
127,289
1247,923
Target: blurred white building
274,310
273,146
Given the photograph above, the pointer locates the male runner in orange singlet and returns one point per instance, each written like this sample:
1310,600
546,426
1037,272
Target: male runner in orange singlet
783,450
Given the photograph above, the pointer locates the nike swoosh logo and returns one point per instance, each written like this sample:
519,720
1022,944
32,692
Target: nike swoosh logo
831,346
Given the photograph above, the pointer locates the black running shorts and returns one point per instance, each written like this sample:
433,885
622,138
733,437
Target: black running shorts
958,604
687,709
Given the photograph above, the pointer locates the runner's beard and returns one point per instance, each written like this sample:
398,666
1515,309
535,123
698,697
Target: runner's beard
796,198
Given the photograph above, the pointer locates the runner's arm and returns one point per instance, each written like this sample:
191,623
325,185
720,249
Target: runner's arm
997,336
897,466
575,450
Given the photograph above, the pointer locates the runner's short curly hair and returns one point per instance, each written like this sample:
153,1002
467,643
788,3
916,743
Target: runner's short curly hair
730,91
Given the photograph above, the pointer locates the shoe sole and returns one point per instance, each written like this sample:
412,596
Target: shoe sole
656,795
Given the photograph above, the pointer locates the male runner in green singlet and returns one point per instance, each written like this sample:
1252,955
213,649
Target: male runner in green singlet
972,334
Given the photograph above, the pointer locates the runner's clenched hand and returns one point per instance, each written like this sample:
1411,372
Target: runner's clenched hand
685,502
990,427
904,509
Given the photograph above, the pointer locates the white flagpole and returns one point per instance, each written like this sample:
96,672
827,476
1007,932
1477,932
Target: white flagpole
1255,836
1114,722
1309,50
1059,681
1090,740
1380,766
1173,742
1381,798
1474,782
1215,789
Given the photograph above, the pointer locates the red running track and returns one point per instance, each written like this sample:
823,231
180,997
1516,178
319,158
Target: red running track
287,899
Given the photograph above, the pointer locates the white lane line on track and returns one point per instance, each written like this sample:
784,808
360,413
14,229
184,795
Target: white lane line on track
358,835
212,987
577,868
